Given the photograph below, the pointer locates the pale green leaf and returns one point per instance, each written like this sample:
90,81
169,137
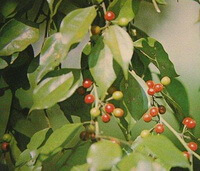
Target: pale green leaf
120,45
16,36
103,155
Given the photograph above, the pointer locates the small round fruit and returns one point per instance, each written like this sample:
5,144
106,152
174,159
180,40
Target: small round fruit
89,99
145,133
95,30
87,83
193,146
153,111
109,108
150,84
117,95
81,90
84,136
5,146
105,118
189,122
90,128
159,128
111,90
147,117
151,91
158,87
186,154
95,112
162,109
118,112
7,137
165,81
109,16
123,22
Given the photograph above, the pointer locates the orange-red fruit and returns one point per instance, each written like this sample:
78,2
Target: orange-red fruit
151,91
118,112
162,109
5,146
186,154
105,118
150,84
153,111
109,16
89,99
159,128
189,122
147,117
87,83
193,146
158,87
109,108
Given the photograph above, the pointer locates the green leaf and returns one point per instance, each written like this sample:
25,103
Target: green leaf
56,117
16,36
53,5
52,90
178,93
154,51
8,7
101,67
164,150
178,112
14,149
76,24
38,138
103,155
135,97
131,161
162,2
75,156
121,46
24,157
5,104
124,9
84,167
53,52
3,63
59,139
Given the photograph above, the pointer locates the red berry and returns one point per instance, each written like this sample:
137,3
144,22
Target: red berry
89,99
150,84
158,87
5,146
109,16
105,118
186,154
151,91
159,128
109,108
118,112
87,83
162,109
189,122
193,146
154,111
81,90
147,117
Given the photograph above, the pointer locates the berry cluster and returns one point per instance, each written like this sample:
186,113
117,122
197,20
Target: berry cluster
6,142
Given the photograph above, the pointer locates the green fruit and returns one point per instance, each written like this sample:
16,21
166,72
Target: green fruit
90,129
145,133
165,81
95,30
95,112
7,138
123,22
117,95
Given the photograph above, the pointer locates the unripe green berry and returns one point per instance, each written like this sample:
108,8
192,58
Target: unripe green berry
7,138
117,95
145,133
95,112
165,81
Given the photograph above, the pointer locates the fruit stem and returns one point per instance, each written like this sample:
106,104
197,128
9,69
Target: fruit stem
179,137
97,128
156,6
96,96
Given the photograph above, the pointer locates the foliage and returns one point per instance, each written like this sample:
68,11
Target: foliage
48,51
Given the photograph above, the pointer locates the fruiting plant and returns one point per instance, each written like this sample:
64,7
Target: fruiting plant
77,91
